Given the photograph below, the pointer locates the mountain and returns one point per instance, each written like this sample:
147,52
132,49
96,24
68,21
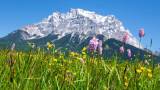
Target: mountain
73,30
74,26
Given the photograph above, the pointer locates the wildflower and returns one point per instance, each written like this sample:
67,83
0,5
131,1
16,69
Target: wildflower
141,33
32,45
125,78
150,75
126,83
100,49
149,55
149,70
49,45
142,68
93,43
55,60
84,56
84,51
138,70
121,49
72,54
146,62
129,53
125,37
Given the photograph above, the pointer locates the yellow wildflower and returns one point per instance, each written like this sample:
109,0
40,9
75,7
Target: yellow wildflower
55,60
126,83
150,75
142,68
125,77
72,54
84,56
83,53
149,70
84,49
138,70
49,45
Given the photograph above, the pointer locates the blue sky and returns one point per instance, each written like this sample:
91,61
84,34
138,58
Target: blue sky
134,14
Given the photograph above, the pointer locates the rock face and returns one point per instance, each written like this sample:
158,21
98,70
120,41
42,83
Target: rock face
79,22
75,26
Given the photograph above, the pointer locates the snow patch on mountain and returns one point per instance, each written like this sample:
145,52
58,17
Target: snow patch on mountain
82,22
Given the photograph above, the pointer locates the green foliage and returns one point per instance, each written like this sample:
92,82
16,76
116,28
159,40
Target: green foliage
40,70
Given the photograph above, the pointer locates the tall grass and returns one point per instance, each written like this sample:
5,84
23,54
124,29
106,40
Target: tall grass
39,70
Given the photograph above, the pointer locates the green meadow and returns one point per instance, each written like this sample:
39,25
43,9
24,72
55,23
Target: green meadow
41,70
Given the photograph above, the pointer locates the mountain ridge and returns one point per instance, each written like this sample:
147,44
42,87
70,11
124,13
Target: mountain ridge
86,23
76,22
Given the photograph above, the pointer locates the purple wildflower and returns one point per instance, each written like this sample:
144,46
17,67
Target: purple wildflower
141,33
93,43
121,49
129,53
125,37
